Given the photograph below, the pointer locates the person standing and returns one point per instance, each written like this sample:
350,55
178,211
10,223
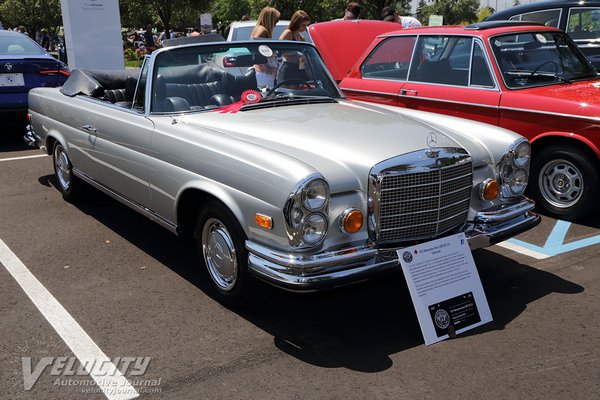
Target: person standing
45,39
292,69
297,25
390,14
149,42
352,11
267,19
265,73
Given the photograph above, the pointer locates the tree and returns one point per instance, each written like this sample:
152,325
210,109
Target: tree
484,12
163,12
454,11
225,12
33,14
422,4
318,11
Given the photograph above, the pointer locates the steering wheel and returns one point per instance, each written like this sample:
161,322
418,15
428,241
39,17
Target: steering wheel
287,82
556,67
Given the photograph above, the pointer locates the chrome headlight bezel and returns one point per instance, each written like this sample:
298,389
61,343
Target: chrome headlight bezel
300,210
513,169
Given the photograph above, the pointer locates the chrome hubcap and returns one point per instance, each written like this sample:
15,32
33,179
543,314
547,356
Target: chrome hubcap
219,254
561,183
63,169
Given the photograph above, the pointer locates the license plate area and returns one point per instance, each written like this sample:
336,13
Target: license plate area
8,80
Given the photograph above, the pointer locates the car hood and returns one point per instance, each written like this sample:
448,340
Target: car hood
579,98
333,139
341,43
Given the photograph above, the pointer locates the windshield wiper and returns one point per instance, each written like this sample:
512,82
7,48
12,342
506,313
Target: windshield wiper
534,74
291,96
555,75
287,100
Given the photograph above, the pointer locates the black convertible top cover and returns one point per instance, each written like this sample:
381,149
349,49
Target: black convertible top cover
209,37
93,82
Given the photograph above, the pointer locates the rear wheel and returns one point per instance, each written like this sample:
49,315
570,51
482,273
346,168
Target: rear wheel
565,181
224,258
69,185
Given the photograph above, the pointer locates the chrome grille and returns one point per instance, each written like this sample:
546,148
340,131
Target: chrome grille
422,201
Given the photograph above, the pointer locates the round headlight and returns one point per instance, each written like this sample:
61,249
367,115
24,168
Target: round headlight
522,154
518,181
315,195
314,229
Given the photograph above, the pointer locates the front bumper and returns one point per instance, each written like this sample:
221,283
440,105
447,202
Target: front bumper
301,272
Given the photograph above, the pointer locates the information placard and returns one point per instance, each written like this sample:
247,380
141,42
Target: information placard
445,287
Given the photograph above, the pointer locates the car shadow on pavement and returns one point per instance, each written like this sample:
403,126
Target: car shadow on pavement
356,327
359,327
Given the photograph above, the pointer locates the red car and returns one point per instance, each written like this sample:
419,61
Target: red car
527,78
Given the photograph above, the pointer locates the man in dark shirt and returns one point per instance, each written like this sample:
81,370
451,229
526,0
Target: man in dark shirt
149,39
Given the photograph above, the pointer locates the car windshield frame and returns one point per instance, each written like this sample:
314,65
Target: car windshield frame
561,62
195,67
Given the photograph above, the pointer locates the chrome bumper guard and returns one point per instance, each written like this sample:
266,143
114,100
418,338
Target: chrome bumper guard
30,138
299,272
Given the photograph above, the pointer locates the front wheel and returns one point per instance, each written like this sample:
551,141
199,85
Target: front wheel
224,258
69,185
565,182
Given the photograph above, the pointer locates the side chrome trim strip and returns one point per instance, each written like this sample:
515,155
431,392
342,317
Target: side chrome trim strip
128,202
424,98
500,108
596,119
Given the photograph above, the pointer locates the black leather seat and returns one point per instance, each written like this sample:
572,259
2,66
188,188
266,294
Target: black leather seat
199,86
122,97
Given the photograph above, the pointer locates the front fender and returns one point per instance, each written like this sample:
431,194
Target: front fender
568,135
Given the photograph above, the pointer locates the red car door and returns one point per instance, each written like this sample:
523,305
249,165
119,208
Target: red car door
452,75
382,74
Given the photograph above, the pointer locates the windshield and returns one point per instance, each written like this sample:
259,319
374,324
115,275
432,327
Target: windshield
19,45
539,58
243,32
205,77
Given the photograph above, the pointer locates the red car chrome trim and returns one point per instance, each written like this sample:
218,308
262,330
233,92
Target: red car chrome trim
421,98
597,119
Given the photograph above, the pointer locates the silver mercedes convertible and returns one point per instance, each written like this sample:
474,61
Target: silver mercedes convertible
272,171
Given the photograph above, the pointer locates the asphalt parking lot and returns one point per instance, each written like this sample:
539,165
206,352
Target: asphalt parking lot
133,289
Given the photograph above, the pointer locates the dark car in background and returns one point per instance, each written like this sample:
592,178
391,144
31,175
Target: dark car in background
579,18
24,65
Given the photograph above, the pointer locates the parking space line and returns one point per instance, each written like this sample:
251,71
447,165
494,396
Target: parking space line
522,248
114,385
555,243
23,157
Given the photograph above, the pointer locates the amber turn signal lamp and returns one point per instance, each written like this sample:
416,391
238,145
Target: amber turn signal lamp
264,221
351,220
489,189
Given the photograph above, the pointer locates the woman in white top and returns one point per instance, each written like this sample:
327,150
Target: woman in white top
267,19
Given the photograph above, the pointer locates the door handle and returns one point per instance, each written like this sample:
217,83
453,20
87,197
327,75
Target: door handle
408,92
90,128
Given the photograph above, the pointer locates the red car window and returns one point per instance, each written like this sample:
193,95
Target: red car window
390,59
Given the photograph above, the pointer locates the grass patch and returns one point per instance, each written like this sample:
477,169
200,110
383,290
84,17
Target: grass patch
133,63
